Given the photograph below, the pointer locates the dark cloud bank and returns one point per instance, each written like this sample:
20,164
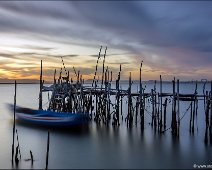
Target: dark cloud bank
166,35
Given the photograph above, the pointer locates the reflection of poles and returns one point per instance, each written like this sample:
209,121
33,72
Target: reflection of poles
41,86
14,123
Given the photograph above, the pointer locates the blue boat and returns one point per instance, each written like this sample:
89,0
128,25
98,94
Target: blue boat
50,118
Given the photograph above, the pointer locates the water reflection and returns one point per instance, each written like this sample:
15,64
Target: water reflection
98,146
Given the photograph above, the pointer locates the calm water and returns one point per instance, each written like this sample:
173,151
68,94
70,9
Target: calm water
103,147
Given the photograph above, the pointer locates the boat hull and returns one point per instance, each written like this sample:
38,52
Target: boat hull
50,118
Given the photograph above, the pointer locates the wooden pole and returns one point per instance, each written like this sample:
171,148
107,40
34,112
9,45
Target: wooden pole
141,101
103,67
78,76
94,79
47,152
130,102
195,106
174,128
206,117
122,107
55,76
178,105
41,87
158,112
32,159
161,104
153,107
192,129
211,116
164,117
136,112
191,116
19,150
14,123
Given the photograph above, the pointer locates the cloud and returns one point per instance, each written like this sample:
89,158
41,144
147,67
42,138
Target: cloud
33,47
173,37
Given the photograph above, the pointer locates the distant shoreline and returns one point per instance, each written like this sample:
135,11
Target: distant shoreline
121,81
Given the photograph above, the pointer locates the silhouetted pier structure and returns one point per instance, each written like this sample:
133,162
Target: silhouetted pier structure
105,104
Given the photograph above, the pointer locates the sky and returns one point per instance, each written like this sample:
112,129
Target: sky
172,38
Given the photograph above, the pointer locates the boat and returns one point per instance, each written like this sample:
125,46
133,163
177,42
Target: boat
50,118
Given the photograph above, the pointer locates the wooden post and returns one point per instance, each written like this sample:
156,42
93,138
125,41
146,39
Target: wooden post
94,79
130,118
141,101
211,116
164,117
41,87
161,104
195,107
67,79
206,136
121,107
14,123
117,100
96,95
206,117
136,112
32,159
78,76
192,129
55,76
178,106
16,156
158,112
191,116
91,104
47,152
153,107
174,128
207,110
19,150
103,67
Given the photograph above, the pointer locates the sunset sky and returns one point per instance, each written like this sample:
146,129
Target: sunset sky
172,38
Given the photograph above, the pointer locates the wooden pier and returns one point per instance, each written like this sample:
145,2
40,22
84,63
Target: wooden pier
105,104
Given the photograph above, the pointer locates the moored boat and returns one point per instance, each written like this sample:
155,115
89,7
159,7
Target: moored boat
50,118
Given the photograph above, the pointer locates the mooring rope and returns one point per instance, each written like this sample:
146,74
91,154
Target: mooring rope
150,114
185,112
180,118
